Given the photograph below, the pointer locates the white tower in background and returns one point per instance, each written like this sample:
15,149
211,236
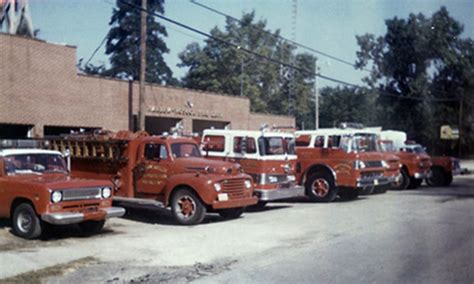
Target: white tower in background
15,17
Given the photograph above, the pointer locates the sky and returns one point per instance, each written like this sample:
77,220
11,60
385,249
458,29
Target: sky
329,26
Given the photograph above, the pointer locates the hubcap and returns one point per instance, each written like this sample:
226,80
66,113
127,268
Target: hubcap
186,207
398,181
320,187
24,222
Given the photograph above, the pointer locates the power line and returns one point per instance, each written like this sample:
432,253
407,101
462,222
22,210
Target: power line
238,47
97,49
256,54
340,60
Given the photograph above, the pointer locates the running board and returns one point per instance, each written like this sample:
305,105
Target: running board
139,202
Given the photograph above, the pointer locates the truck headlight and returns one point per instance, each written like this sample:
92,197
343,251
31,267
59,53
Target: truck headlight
248,184
385,164
106,192
291,178
217,187
358,164
56,196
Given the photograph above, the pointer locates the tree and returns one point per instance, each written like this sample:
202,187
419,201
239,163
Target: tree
419,59
123,44
347,104
222,68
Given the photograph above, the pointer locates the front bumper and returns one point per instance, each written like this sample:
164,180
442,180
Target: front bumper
372,181
279,193
421,175
235,203
65,218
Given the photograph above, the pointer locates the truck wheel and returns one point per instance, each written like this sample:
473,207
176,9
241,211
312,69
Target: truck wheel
437,177
91,227
404,180
26,223
448,180
187,207
232,213
349,194
320,187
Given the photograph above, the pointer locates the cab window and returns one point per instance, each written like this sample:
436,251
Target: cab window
214,143
251,146
155,152
334,141
319,142
303,140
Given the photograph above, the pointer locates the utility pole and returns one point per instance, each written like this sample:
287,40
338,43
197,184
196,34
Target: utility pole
316,97
141,95
460,127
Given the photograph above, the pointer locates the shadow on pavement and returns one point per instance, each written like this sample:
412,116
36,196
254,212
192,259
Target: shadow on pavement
163,217
268,207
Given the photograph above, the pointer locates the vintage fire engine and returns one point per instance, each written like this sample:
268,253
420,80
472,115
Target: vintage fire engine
161,171
268,156
36,189
416,164
337,161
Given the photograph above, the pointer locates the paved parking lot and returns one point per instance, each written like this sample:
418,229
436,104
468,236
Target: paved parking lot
423,235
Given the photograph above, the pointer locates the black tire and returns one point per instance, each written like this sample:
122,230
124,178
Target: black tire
320,187
413,183
349,194
437,177
91,227
187,208
26,223
260,205
232,213
404,180
448,180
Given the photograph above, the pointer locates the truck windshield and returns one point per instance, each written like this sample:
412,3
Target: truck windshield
418,149
359,142
34,163
271,146
185,150
386,147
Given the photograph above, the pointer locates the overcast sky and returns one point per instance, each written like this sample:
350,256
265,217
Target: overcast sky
329,26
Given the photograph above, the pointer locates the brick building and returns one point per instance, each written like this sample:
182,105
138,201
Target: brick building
41,93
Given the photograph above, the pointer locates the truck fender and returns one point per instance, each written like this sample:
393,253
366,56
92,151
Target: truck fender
185,180
319,167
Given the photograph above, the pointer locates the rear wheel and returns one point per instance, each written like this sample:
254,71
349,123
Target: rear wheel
187,207
232,213
449,179
320,187
437,177
403,181
92,227
26,223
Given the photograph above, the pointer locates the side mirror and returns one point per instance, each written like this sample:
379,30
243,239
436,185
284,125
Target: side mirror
67,155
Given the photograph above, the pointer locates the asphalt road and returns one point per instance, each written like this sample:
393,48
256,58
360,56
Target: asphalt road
424,235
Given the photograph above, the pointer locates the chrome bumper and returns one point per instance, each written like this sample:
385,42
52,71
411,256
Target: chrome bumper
372,181
279,193
65,218
422,175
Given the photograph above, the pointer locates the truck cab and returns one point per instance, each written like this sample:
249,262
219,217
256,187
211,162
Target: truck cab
36,189
337,161
163,172
267,156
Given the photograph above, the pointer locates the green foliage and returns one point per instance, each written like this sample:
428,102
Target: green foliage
347,104
218,67
423,59
123,45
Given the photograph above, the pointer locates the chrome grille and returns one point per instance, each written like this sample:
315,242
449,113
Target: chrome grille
371,174
233,187
82,194
373,164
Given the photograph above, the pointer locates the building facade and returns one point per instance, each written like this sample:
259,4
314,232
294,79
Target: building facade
41,93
